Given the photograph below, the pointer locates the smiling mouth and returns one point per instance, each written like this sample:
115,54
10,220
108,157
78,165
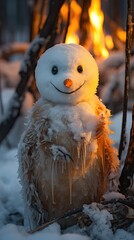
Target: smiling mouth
68,92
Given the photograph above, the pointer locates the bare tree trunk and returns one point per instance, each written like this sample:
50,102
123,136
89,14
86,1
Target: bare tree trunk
36,18
126,177
127,76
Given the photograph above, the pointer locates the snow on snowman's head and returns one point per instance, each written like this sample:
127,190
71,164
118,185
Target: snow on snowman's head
67,74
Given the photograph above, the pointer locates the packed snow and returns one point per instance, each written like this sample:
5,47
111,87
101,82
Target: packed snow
66,58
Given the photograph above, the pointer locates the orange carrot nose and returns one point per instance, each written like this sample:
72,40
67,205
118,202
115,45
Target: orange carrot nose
68,82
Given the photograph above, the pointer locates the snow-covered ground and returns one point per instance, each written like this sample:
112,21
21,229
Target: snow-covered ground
11,205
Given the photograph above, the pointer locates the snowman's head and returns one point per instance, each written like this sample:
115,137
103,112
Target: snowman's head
67,73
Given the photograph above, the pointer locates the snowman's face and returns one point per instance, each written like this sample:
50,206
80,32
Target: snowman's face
67,73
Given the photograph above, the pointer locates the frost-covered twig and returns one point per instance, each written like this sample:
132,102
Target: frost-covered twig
129,29
28,67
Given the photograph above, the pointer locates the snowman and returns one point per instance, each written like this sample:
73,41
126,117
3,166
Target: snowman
66,158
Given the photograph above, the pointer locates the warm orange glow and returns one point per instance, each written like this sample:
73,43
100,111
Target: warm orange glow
121,34
98,41
97,18
109,42
72,36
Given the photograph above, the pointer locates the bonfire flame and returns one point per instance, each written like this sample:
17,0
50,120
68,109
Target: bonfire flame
101,43
97,18
72,36
121,34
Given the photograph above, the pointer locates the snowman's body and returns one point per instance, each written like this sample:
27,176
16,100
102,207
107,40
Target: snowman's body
66,156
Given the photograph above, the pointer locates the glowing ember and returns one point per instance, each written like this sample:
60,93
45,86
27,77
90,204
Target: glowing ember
109,42
97,18
121,34
72,38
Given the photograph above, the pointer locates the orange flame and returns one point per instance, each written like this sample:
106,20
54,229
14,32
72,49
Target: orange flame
72,36
100,42
121,34
109,42
97,18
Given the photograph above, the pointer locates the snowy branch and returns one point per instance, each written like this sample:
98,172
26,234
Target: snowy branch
28,66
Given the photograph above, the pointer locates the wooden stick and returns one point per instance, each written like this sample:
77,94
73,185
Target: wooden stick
58,220
129,29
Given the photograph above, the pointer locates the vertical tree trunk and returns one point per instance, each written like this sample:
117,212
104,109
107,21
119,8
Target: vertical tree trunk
127,76
126,177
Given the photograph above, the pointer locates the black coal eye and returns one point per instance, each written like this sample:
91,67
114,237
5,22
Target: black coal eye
54,70
80,69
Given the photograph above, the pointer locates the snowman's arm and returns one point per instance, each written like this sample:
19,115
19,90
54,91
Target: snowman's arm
27,154
106,151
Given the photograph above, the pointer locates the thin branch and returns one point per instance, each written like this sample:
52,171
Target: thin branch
42,7
126,177
28,66
58,220
127,76
84,21
1,102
